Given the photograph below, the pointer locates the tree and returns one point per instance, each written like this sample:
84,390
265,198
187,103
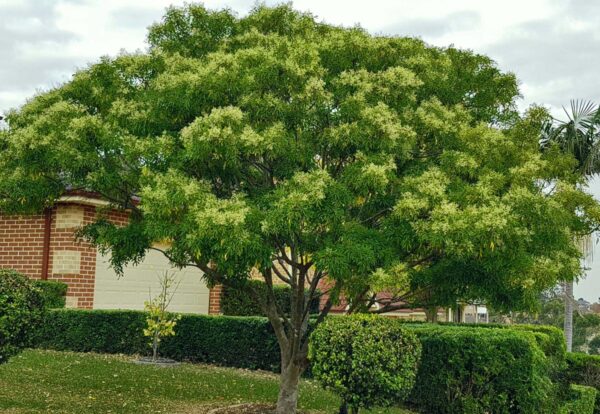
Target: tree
160,323
307,152
579,135
551,311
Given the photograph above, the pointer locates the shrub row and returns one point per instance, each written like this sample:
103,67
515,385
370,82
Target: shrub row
245,342
53,292
580,401
584,369
237,302
493,370
464,368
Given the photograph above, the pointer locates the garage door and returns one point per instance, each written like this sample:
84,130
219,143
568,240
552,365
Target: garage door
139,282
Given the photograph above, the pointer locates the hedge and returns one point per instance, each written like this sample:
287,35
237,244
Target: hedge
584,369
493,370
236,301
53,292
551,339
580,401
245,342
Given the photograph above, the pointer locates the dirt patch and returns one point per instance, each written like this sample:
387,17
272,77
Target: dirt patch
244,409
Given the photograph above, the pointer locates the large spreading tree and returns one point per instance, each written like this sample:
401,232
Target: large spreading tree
307,152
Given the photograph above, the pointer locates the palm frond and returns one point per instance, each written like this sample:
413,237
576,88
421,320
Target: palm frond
578,135
581,109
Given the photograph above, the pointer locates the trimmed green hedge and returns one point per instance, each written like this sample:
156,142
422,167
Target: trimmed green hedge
236,301
493,370
584,369
551,340
581,400
54,293
245,342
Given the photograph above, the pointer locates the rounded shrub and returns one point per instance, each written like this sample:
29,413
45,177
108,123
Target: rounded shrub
53,293
368,361
21,311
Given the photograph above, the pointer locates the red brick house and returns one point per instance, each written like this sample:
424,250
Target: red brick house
44,247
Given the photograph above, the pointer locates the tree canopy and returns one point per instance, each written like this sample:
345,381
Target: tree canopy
309,152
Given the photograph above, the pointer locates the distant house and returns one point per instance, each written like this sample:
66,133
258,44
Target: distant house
44,247
583,305
461,313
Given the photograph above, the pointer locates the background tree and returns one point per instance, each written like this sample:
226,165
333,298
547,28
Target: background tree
579,135
551,311
308,152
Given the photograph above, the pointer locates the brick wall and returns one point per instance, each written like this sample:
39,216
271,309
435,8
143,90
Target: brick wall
22,243
70,261
214,300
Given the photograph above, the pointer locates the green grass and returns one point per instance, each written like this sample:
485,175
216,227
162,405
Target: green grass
62,382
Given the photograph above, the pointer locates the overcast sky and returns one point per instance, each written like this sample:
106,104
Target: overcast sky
553,46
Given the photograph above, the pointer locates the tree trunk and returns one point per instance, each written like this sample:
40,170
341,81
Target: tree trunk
155,347
431,314
291,330
568,327
287,402
343,408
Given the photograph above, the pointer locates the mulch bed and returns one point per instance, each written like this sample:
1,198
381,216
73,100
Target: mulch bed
159,362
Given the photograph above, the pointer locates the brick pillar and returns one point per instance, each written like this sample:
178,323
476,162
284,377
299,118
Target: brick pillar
214,300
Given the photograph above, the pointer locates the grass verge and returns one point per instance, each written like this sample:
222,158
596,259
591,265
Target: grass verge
39,381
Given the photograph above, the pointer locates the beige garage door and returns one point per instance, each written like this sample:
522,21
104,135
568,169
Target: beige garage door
138,282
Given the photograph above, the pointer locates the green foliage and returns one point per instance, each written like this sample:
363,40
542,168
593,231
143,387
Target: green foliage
21,311
231,341
594,345
550,339
368,361
474,370
462,367
551,311
382,163
581,400
586,332
160,323
53,292
372,155
584,369
237,301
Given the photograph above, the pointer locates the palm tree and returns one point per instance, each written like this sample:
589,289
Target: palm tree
579,135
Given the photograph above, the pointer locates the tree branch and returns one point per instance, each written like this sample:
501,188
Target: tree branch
272,314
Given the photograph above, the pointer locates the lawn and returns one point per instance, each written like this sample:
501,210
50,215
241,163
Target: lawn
63,382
